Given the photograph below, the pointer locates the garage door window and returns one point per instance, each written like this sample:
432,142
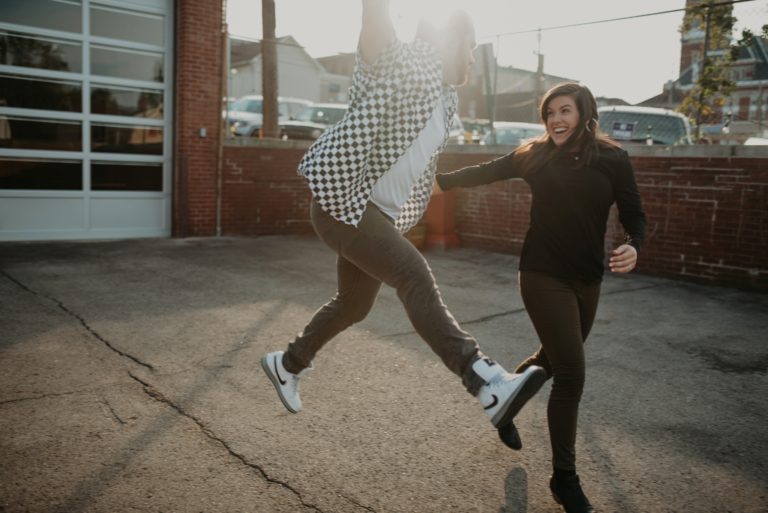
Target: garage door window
85,121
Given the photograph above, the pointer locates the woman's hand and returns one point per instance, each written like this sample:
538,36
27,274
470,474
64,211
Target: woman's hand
623,259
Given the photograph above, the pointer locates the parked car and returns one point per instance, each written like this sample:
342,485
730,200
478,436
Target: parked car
246,117
475,129
631,125
456,131
312,121
512,133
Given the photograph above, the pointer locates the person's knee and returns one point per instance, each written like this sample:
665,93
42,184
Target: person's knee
354,309
416,284
568,382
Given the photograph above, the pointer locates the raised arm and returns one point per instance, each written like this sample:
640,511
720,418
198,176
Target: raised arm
501,168
377,31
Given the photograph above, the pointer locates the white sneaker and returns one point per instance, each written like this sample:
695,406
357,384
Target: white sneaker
286,383
504,394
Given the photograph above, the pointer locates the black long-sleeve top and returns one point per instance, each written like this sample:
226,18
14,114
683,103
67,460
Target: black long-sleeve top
569,211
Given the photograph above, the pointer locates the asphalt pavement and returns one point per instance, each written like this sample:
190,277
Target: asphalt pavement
130,382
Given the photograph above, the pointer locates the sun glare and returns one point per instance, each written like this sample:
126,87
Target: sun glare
407,13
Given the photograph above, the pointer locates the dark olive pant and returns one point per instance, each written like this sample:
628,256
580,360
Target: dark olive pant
562,312
370,254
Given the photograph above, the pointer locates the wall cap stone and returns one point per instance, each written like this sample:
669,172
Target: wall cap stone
700,151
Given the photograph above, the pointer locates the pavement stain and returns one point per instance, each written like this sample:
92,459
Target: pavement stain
732,362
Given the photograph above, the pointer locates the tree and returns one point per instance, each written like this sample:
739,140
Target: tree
714,83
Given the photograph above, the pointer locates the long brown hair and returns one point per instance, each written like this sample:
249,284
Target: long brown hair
536,153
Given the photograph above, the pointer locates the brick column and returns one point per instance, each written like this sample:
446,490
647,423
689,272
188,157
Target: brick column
197,114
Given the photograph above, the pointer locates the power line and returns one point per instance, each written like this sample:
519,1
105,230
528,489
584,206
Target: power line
583,24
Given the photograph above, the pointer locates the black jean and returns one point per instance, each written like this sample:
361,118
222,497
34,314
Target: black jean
562,312
370,254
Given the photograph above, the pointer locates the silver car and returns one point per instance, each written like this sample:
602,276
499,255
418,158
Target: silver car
512,133
245,117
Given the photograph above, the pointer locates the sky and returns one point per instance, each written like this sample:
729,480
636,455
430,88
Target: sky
629,59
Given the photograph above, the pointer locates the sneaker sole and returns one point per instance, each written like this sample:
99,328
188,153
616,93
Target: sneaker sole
531,385
509,436
275,383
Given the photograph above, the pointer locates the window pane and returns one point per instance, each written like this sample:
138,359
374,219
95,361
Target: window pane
41,174
39,52
39,93
131,26
126,139
126,63
49,14
119,176
40,134
127,102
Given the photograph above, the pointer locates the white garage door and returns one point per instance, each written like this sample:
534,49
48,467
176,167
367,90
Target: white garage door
85,121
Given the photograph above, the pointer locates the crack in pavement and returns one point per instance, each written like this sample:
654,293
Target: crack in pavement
113,412
79,318
521,310
45,396
635,289
353,501
155,394
464,323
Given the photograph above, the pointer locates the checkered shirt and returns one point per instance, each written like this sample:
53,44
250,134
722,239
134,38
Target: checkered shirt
390,103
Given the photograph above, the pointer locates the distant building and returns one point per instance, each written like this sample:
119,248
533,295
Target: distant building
603,101
339,64
517,96
744,110
299,75
517,91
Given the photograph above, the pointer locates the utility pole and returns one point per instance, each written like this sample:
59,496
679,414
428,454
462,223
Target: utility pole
538,86
269,70
490,93
704,64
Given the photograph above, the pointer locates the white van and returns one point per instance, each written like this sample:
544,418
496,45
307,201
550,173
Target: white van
644,125
245,116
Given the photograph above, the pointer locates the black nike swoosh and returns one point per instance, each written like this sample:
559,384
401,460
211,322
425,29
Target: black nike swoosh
494,403
283,382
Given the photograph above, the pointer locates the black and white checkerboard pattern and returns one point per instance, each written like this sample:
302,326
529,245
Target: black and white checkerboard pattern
390,103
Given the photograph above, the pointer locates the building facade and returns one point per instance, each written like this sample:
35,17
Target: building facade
86,118
299,75
741,114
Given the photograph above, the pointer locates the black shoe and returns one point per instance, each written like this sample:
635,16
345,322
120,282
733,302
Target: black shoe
509,435
567,492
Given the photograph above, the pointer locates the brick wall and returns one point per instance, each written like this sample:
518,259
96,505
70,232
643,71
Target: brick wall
198,88
707,216
707,210
263,194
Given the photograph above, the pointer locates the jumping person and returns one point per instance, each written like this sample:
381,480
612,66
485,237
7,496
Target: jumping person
575,173
371,177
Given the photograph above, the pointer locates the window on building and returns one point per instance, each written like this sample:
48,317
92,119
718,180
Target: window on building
744,103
